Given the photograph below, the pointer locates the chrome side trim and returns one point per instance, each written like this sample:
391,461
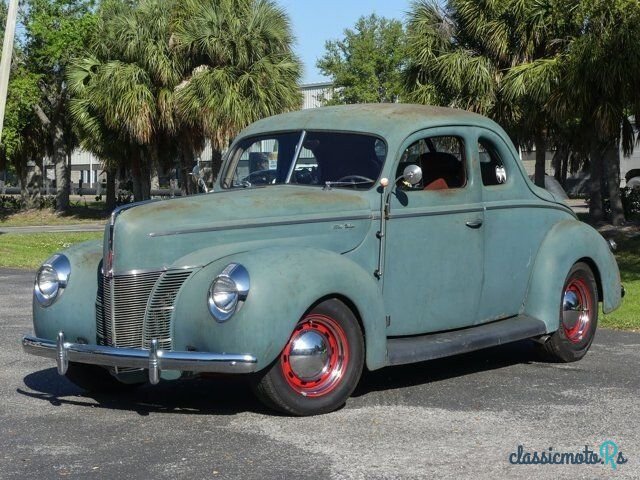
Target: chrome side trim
555,206
154,360
433,213
260,224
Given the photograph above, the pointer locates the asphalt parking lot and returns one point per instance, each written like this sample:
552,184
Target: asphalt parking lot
451,418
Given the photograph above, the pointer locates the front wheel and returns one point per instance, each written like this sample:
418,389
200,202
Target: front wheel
319,366
578,316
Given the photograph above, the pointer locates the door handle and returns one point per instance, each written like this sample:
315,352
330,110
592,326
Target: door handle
474,223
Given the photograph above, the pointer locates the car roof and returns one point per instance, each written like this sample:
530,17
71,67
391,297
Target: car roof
383,119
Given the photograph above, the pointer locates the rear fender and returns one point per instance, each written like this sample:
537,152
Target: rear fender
568,242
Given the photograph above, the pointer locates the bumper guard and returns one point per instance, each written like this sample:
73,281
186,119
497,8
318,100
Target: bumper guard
153,359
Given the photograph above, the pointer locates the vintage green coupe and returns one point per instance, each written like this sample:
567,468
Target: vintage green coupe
372,235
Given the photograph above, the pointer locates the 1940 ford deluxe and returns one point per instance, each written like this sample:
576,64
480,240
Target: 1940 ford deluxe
335,238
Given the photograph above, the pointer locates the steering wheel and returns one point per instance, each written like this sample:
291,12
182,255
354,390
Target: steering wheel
355,179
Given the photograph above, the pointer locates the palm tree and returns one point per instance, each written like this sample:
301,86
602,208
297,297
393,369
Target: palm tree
461,55
239,66
592,81
161,76
122,88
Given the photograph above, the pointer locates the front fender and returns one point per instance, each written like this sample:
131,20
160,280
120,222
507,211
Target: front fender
568,242
285,282
74,311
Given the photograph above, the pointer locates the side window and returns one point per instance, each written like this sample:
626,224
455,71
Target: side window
441,160
491,165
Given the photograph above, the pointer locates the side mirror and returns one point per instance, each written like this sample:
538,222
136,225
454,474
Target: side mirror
412,174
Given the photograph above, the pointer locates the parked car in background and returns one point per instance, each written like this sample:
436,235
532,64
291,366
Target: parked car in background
414,234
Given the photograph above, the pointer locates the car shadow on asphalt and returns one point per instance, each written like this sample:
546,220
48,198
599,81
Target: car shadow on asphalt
206,396
230,396
401,376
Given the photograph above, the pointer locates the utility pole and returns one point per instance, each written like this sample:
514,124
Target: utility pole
7,52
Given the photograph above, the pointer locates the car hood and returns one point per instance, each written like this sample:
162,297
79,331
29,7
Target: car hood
156,235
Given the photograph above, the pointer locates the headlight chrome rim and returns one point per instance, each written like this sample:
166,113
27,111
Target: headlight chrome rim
228,292
48,290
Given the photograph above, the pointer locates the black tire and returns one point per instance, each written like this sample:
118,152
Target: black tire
280,388
95,379
572,340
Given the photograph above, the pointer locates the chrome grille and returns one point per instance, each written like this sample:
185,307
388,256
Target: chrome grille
103,316
157,321
133,309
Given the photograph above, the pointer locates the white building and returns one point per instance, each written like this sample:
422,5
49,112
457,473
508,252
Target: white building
315,94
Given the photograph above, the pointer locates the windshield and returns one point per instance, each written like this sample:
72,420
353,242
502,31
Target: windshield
335,159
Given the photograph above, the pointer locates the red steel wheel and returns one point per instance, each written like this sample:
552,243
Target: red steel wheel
316,356
578,316
576,310
320,364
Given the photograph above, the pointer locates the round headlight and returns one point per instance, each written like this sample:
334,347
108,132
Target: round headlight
51,279
47,283
224,294
228,292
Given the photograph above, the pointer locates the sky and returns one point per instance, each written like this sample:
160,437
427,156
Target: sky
315,22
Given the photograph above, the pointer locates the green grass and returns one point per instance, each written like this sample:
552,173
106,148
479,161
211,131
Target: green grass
29,250
627,317
77,214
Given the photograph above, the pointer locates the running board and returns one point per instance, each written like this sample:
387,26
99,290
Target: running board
437,345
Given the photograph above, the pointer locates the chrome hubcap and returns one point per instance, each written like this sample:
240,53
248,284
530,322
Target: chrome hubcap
576,313
309,355
316,357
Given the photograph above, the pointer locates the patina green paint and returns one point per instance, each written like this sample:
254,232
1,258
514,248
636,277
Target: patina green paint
439,274
74,312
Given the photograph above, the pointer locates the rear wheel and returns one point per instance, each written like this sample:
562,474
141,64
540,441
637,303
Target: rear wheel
95,379
319,366
578,316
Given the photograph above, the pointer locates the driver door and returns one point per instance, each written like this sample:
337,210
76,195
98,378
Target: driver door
434,240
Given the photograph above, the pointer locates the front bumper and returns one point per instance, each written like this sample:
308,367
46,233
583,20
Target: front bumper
153,359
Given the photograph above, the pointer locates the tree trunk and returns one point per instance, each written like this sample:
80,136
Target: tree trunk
3,173
612,175
216,164
63,186
154,168
595,184
136,178
560,159
145,179
45,178
541,156
565,170
36,184
111,189
186,163
24,191
60,158
141,176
